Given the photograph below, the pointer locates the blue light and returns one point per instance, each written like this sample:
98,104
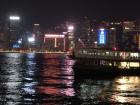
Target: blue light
20,41
102,36
16,46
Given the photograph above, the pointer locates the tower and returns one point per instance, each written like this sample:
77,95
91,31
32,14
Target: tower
14,31
38,37
82,32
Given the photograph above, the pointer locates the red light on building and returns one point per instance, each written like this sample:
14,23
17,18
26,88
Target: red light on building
114,48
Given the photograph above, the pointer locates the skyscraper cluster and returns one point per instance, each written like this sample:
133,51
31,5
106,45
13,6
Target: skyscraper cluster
122,35
81,33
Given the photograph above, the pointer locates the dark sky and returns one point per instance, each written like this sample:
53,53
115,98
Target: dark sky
50,12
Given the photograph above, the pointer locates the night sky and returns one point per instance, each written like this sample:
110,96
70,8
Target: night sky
54,12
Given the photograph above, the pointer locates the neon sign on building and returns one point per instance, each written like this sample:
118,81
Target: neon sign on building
54,36
102,36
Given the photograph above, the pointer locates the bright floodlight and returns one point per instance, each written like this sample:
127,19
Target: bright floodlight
14,18
70,28
31,39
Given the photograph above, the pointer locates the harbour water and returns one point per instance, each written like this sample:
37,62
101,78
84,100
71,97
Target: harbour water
49,79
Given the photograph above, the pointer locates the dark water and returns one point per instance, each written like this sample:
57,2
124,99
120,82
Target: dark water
48,79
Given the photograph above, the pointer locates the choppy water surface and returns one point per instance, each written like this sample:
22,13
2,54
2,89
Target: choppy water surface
48,79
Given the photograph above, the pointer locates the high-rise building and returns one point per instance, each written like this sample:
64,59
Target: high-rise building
138,42
82,32
2,36
106,35
112,44
38,37
122,35
130,35
116,29
14,33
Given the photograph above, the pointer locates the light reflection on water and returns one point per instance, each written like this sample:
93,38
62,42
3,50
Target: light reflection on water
31,79
121,90
35,79
129,89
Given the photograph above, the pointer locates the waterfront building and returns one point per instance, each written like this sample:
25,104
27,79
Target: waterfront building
38,37
130,35
121,35
82,32
14,31
54,43
3,37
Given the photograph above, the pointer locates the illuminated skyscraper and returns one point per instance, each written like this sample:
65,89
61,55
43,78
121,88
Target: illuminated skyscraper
38,37
14,30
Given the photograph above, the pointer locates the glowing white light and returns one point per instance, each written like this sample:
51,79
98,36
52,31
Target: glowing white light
36,24
102,29
134,54
54,36
19,41
70,28
64,33
14,18
102,32
31,39
123,64
95,42
127,28
112,28
55,43
134,64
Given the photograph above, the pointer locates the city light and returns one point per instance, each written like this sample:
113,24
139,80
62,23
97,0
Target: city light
95,42
31,39
36,24
70,28
14,18
102,29
64,33
127,28
19,41
102,36
134,64
54,36
112,28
